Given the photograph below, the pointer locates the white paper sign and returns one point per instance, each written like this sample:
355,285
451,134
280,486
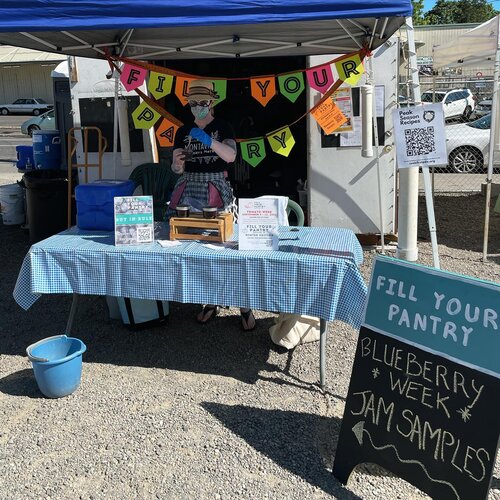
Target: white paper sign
257,224
419,135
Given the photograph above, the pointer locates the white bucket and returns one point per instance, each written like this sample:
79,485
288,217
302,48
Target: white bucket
12,204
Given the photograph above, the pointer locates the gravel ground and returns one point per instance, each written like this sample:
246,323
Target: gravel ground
188,412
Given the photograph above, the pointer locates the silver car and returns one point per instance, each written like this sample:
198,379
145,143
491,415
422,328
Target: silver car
29,106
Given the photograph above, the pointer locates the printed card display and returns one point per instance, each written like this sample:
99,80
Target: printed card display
258,224
423,395
419,135
134,223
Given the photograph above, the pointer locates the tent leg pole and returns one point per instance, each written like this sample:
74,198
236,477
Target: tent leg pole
486,220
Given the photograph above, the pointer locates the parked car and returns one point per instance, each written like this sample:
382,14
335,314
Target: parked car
483,107
456,102
26,107
42,122
467,145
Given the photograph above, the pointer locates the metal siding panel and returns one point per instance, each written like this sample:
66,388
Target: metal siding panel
26,80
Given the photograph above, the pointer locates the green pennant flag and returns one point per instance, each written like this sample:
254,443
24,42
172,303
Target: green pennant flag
291,85
253,151
282,141
159,84
221,89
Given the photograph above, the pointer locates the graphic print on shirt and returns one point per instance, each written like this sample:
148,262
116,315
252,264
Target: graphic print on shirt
201,152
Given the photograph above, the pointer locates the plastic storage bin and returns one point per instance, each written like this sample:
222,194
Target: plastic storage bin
46,149
94,203
57,364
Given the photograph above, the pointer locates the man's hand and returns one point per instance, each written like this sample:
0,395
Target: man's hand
201,136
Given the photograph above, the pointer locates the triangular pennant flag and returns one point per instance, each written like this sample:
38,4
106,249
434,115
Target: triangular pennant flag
221,89
282,141
350,69
263,89
320,78
253,151
145,116
291,85
132,76
159,84
181,88
166,133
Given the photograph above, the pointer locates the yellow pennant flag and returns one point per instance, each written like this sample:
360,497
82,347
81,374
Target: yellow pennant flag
159,84
166,133
282,141
145,116
350,69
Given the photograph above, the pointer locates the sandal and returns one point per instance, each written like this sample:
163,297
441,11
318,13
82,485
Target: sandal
245,320
208,313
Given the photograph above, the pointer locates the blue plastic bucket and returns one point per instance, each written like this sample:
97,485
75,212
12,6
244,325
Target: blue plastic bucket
46,149
25,160
57,363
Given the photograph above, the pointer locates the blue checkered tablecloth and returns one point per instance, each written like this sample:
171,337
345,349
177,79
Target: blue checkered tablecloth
314,272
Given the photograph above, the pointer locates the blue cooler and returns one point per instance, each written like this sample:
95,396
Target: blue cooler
24,157
46,149
94,202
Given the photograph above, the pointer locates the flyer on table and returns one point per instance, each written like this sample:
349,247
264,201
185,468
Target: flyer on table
420,136
258,224
133,220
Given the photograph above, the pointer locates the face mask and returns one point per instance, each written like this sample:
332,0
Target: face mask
200,112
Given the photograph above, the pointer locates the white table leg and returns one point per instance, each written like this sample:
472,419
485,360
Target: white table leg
72,312
322,352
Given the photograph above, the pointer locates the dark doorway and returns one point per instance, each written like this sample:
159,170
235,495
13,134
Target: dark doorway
276,174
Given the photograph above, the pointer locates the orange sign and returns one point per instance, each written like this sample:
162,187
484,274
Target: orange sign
166,133
329,116
263,89
181,88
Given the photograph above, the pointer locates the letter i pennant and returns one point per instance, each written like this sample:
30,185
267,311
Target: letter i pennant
253,151
282,141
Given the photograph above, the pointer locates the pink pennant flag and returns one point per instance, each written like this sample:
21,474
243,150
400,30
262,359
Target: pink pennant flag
320,78
132,77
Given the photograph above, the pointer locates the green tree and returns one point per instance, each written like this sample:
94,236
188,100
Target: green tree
418,12
460,11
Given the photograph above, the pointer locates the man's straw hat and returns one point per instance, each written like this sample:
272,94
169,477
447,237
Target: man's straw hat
200,90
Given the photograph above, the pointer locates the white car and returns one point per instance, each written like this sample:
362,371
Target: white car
467,145
26,107
456,102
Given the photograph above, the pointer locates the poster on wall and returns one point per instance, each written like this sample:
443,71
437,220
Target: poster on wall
133,220
422,399
419,135
342,97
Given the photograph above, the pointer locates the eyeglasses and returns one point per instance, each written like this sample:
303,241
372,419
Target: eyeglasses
203,104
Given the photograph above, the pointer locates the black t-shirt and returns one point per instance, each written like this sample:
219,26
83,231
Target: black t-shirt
204,159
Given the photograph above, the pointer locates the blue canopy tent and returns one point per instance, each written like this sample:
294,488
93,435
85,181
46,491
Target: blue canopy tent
179,29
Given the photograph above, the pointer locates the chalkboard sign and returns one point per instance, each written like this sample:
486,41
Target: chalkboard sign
423,397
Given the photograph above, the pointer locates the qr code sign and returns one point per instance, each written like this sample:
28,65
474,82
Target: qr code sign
420,141
144,234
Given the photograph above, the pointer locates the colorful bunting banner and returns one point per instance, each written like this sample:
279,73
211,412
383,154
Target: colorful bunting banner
291,85
145,116
263,89
320,78
350,69
166,133
181,88
253,151
132,77
159,84
282,141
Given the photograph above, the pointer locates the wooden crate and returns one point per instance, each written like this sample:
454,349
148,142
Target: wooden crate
193,227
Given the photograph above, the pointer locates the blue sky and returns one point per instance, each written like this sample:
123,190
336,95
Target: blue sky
428,4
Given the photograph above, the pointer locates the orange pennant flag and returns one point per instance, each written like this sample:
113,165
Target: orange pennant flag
181,88
166,133
263,89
